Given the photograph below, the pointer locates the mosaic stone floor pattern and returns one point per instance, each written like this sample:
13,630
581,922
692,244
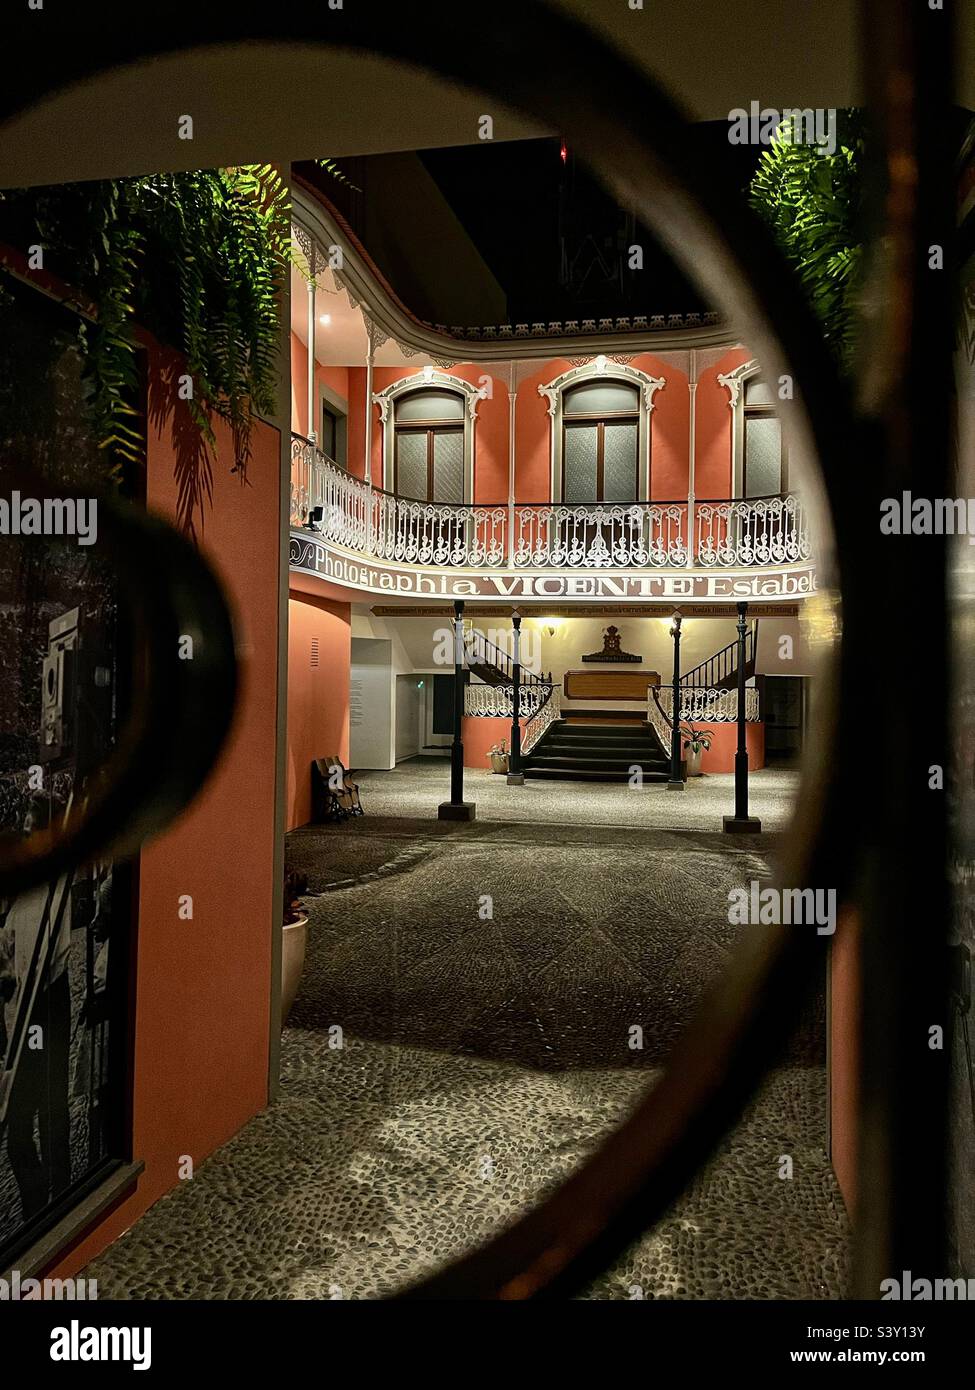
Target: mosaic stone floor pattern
482,1059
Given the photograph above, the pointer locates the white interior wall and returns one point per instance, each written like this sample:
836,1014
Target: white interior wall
409,717
415,644
783,649
372,705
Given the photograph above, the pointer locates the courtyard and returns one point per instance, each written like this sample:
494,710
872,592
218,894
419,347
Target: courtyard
481,1004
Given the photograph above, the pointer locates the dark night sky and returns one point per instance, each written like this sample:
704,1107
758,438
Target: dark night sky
517,200
554,240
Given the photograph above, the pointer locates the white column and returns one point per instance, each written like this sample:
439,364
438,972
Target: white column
512,398
311,431
691,445
370,360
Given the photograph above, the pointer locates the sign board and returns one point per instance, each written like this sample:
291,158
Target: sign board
311,555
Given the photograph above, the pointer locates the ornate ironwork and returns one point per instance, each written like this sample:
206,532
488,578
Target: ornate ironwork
751,531
632,535
496,701
549,711
699,705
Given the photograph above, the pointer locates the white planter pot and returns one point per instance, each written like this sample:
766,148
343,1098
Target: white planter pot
694,761
295,939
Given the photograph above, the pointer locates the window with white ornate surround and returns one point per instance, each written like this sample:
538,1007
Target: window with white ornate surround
600,438
399,422
759,453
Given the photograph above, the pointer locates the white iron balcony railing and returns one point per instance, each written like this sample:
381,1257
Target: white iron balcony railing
369,521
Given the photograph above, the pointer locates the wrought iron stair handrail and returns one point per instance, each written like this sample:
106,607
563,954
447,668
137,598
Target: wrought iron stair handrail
542,720
485,701
497,659
723,664
535,691
704,704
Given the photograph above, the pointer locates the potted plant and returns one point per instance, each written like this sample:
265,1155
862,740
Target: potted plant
295,938
694,743
498,756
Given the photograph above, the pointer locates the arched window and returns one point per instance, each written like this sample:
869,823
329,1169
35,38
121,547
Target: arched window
427,423
600,442
428,445
600,436
760,455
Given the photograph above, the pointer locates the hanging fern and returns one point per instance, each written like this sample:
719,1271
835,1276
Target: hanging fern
199,258
330,167
811,201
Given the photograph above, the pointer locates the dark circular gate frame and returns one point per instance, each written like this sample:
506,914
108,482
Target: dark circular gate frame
546,65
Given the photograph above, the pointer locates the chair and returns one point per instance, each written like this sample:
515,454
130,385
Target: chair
335,795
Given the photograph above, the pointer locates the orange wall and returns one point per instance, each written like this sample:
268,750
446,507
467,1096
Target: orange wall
720,757
203,986
844,1056
336,378
479,733
713,420
318,696
669,430
669,426
533,467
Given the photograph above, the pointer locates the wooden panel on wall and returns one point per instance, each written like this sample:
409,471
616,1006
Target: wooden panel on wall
609,685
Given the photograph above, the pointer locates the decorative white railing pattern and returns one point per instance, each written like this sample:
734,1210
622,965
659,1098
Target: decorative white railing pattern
641,535
430,533
751,531
633,535
373,522
496,701
700,705
307,468
657,721
539,722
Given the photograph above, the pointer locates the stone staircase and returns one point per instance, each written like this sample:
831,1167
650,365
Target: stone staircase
590,751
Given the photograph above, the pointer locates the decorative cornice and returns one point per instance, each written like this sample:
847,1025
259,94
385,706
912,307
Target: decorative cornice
558,328
732,380
374,334
601,366
427,376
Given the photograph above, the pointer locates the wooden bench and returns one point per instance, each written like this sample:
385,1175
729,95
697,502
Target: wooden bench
334,794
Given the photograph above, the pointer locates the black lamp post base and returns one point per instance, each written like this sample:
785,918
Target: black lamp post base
516,779
677,786
457,810
741,825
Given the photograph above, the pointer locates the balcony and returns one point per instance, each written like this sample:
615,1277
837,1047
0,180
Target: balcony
759,546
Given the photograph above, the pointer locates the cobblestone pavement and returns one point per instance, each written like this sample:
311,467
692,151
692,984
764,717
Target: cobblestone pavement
416,787
485,980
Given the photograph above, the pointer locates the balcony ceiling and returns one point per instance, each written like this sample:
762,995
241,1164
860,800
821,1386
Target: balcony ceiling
341,342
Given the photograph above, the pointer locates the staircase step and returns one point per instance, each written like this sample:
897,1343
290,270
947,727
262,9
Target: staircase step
575,774
584,733
645,749
608,764
603,716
